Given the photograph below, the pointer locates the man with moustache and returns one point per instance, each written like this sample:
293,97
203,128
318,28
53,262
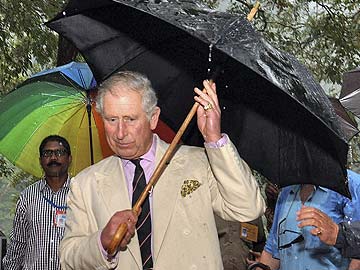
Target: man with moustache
39,221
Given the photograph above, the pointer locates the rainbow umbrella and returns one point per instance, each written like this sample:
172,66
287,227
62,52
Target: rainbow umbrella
56,101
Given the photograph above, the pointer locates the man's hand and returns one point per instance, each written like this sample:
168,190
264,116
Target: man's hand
325,228
208,113
107,234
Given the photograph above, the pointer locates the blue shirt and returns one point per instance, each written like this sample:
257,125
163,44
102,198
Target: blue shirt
308,252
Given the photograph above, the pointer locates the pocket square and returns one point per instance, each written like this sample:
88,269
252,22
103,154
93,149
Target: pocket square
189,186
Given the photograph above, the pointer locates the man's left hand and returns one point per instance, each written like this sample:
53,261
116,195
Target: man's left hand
208,113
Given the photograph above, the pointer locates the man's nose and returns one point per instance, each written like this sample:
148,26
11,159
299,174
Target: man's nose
121,130
53,155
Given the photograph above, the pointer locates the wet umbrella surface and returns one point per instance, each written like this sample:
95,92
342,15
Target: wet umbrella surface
350,91
273,110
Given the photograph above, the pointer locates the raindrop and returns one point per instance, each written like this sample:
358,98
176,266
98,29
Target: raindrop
210,57
210,51
350,156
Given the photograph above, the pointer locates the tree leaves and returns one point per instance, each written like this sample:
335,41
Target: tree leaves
26,45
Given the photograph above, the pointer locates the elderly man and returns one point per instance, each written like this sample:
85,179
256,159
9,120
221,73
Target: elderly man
176,227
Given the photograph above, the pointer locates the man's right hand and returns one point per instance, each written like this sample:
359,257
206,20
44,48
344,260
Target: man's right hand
107,234
324,227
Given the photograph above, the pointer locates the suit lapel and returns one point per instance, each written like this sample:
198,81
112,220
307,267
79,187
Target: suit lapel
113,189
112,186
166,193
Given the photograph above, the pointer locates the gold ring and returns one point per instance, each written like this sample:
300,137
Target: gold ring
208,106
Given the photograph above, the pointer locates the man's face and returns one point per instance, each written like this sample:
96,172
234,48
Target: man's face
128,130
54,159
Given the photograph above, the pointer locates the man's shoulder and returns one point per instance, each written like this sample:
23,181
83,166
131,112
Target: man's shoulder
182,149
34,187
354,178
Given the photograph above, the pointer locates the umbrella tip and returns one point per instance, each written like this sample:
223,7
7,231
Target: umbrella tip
253,11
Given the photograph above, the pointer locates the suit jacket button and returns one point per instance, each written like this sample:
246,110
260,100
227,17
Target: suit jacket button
186,231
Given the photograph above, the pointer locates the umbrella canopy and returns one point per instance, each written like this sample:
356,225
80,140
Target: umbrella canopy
348,124
279,118
54,101
350,91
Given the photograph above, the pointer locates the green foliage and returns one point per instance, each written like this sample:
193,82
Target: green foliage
26,44
12,182
5,169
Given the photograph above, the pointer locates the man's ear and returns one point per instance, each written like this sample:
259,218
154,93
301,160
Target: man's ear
155,118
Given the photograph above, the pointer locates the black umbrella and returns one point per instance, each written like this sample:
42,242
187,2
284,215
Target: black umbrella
273,110
350,91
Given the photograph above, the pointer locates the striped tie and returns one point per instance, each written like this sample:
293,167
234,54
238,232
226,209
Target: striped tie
143,225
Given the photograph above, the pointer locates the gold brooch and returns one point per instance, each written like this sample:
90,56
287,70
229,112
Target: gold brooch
189,186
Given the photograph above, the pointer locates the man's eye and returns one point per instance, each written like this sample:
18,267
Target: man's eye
110,119
128,119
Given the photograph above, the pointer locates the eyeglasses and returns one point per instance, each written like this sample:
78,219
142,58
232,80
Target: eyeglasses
298,239
57,152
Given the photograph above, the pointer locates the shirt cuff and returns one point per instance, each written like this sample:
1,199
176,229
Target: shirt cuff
220,143
340,240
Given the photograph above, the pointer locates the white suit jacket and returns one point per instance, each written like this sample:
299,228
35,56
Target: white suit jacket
184,230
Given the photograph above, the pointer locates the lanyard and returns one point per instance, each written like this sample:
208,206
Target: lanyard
53,204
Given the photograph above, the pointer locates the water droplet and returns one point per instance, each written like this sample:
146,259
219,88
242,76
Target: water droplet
210,51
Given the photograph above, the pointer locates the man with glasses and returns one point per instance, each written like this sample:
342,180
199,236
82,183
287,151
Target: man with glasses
39,221
291,247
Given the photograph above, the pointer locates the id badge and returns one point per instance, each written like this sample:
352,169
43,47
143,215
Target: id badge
60,218
249,231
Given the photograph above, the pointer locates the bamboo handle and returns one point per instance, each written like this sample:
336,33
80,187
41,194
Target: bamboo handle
116,240
121,230
253,11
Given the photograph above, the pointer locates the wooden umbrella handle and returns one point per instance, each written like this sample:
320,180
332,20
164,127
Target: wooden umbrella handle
122,229
253,11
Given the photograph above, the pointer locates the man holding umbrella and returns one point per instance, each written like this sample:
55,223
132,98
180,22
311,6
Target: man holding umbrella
176,227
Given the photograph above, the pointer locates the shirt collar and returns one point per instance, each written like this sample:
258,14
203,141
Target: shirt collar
295,188
43,184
